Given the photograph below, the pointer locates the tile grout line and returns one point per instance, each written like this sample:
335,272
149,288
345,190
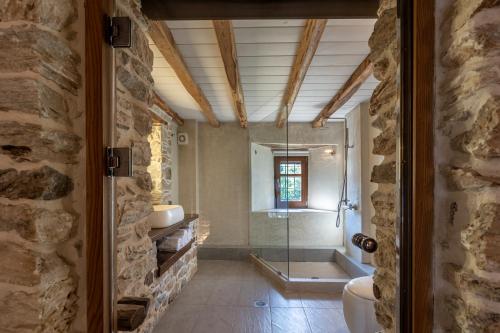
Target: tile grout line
307,319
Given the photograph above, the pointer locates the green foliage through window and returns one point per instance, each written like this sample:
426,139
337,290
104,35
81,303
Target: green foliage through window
290,186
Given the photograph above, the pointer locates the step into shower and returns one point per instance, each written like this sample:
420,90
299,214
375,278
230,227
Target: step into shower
304,276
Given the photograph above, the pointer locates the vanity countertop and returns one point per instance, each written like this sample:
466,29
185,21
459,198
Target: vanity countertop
156,234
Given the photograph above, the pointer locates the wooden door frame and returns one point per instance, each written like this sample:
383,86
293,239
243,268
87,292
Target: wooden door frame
97,99
417,165
417,86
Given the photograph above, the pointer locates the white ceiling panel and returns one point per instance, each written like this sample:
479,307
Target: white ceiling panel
204,62
331,70
160,62
352,33
343,46
197,44
207,71
337,60
340,48
266,51
263,61
194,36
197,50
263,86
268,35
211,79
265,93
256,79
264,71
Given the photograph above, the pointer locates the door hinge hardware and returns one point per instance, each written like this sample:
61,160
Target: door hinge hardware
119,162
119,31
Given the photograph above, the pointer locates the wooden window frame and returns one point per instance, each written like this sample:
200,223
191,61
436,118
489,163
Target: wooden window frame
303,160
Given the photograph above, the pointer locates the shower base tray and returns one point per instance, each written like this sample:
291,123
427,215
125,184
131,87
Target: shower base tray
312,284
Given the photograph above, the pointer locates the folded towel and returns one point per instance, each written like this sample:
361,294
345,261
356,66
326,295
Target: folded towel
171,244
179,233
188,233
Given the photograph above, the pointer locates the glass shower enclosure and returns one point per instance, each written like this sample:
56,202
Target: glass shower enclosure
270,188
296,177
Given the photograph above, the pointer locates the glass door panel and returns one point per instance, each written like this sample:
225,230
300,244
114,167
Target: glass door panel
274,182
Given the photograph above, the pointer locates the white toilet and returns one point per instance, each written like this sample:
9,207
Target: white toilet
358,302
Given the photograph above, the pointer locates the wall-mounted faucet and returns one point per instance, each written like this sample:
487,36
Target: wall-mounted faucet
349,205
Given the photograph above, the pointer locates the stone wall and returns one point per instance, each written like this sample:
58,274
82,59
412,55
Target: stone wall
135,252
135,196
42,193
164,289
384,105
467,281
161,165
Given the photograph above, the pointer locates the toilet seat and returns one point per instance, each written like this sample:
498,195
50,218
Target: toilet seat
358,301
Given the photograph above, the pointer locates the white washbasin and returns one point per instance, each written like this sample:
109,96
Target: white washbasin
165,215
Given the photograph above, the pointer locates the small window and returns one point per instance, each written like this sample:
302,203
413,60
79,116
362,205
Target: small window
290,176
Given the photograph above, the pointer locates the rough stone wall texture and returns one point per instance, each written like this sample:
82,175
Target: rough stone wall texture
42,119
135,253
160,169
135,196
467,280
384,105
164,289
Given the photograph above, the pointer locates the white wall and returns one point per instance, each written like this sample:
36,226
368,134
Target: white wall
360,163
262,176
368,161
175,164
307,229
188,168
353,218
324,178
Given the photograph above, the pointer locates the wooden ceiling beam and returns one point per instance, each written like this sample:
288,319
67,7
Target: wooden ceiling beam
227,45
309,42
362,72
159,102
162,37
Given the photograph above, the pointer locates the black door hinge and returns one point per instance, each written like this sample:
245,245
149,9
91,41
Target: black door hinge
119,31
119,162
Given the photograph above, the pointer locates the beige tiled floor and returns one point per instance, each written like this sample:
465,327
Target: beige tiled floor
221,297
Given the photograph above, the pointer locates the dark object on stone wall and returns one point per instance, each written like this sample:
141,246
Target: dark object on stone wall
365,243
149,279
376,291
119,32
453,211
17,152
131,312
